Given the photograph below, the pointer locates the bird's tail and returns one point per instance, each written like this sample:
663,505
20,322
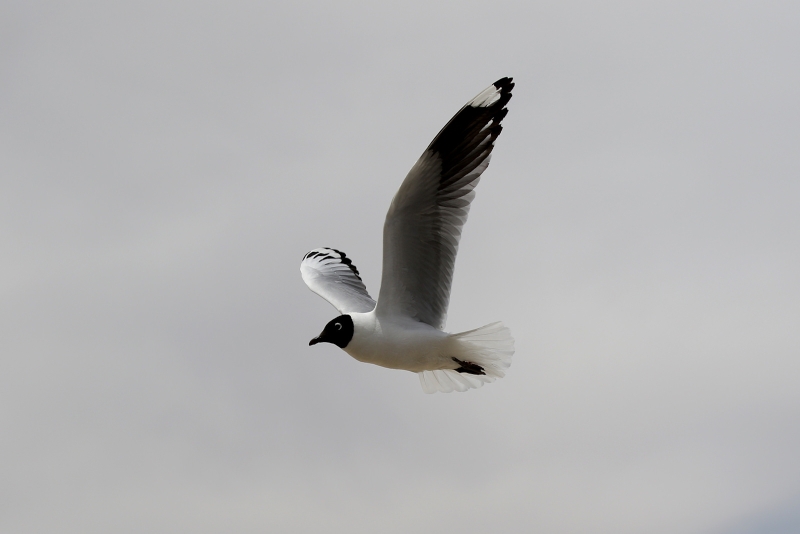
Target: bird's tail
479,356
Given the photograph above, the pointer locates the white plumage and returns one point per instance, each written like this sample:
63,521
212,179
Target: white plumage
420,241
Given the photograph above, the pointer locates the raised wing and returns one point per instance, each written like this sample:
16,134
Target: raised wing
424,222
330,274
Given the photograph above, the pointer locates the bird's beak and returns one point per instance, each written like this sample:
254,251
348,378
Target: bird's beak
314,341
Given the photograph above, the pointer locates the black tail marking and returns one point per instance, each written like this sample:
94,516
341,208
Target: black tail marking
469,368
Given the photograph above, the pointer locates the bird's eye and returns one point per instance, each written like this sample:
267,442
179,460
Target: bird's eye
338,326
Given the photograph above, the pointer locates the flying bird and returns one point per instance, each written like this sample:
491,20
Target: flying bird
404,329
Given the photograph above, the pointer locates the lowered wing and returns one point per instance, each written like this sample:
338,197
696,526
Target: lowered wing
426,216
330,274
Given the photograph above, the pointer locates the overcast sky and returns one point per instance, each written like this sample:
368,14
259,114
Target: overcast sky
165,165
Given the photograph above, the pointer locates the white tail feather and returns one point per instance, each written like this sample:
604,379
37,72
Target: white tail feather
489,346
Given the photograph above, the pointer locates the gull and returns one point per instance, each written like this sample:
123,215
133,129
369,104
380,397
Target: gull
404,329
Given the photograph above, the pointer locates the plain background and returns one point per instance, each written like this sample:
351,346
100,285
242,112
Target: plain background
165,165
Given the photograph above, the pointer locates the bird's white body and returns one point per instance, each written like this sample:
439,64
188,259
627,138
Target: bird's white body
400,343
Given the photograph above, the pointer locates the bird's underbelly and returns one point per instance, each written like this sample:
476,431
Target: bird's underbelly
411,351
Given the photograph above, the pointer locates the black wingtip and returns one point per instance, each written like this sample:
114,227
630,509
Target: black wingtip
319,253
505,85
347,261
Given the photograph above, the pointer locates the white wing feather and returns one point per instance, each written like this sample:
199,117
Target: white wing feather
330,274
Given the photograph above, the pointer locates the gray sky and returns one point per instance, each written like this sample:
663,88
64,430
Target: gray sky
164,167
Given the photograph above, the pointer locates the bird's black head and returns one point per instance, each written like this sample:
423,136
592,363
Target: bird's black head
339,332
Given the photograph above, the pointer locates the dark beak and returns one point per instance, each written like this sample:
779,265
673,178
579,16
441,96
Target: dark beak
314,341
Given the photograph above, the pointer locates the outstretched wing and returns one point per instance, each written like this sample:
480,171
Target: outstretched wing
424,222
330,274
